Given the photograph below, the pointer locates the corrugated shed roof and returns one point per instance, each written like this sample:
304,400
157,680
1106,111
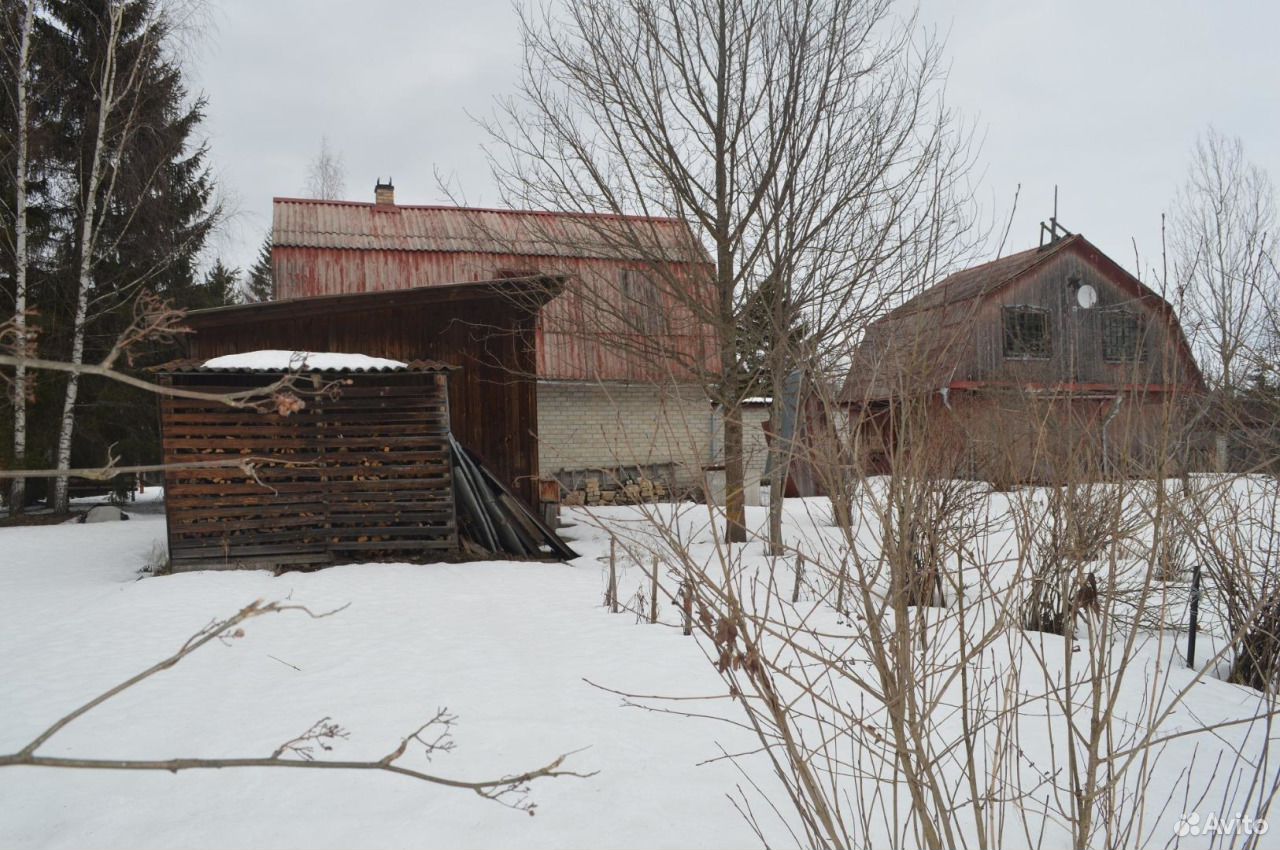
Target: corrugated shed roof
519,292
366,226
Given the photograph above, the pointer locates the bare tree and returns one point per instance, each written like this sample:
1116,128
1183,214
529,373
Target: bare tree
1223,228
327,176
21,259
768,126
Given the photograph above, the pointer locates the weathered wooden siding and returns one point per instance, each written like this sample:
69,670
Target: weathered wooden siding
585,334
1076,355
1010,436
372,478
951,335
489,335
940,358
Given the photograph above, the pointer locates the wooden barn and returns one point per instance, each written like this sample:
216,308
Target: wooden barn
359,469
614,351
1046,363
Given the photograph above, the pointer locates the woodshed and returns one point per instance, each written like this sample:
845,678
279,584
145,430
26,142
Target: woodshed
360,470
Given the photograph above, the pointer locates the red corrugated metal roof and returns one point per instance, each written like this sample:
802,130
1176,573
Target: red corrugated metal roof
308,223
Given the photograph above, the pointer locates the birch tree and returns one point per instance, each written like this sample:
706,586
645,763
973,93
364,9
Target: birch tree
327,175
127,68
17,493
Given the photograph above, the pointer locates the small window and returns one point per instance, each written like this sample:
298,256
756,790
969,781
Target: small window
641,302
1121,337
1026,332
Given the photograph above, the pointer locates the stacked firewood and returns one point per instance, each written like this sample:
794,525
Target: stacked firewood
630,491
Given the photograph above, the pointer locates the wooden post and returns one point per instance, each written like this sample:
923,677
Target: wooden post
549,497
653,593
844,568
795,591
1195,617
688,604
611,594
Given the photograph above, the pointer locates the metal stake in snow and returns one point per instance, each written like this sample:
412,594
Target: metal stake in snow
1195,616
688,602
653,595
611,594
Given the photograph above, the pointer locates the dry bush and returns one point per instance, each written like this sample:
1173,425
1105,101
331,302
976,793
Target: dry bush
1077,525
931,709
1231,528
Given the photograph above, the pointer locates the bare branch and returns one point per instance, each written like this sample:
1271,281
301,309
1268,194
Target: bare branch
296,753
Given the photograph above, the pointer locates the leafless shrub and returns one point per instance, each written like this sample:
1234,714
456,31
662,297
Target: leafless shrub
1231,528
1075,526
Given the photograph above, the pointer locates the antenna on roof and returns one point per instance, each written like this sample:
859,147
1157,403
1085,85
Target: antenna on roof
1053,230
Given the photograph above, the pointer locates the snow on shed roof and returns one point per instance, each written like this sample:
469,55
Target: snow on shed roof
277,360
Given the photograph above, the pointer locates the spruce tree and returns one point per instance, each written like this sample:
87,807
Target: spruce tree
259,286
219,287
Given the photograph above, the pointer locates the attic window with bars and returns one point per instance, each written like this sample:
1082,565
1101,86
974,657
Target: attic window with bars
1026,333
641,304
1121,337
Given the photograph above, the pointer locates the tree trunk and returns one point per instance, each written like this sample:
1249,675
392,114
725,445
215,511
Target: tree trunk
61,500
779,465
735,506
106,100
18,490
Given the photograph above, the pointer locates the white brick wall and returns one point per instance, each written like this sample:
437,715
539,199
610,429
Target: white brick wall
587,426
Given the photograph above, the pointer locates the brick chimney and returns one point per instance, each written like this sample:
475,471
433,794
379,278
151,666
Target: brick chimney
384,194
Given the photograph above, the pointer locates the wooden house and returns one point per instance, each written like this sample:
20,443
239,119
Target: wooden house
1045,363
616,352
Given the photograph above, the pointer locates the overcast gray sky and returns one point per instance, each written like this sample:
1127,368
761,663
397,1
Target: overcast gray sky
1103,99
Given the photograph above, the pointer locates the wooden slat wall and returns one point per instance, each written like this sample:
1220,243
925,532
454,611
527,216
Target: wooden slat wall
493,396
372,480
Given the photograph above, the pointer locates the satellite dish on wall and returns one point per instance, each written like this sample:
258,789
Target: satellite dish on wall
1086,296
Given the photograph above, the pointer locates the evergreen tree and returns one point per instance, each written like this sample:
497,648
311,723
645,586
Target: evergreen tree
260,286
760,334
151,212
219,288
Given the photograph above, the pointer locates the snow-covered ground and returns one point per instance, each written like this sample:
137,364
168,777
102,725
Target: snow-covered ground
511,649
507,647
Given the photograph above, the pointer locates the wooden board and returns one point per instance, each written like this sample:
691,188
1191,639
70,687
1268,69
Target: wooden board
361,475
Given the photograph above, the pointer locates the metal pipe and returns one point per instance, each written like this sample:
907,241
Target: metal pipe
1195,616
